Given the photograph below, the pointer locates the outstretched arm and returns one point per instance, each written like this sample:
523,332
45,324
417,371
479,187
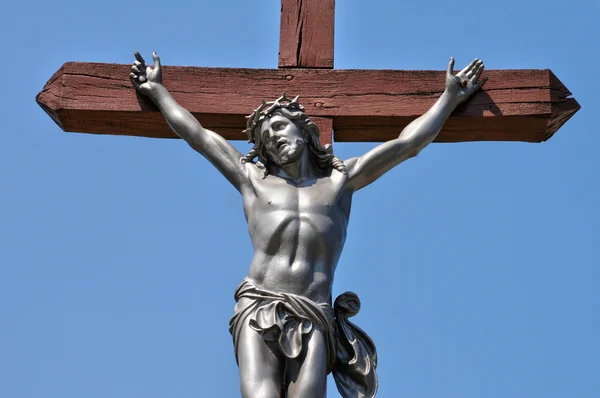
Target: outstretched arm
148,81
420,132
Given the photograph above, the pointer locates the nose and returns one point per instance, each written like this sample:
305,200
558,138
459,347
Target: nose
271,136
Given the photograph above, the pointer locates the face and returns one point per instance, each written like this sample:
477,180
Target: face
282,139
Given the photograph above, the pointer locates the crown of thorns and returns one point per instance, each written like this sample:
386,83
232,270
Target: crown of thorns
264,111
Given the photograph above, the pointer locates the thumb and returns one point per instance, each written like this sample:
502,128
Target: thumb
156,60
450,71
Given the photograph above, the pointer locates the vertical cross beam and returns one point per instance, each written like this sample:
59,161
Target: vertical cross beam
306,41
306,34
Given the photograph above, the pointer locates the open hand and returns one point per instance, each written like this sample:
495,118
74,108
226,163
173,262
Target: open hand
466,82
144,77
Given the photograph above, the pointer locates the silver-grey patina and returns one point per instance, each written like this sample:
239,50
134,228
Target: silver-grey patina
297,197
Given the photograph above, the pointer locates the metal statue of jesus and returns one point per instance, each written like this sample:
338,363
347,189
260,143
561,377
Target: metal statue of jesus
297,196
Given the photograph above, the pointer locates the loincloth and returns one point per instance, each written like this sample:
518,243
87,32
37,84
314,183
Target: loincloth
285,319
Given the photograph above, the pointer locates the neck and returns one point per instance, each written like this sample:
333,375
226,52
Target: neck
298,170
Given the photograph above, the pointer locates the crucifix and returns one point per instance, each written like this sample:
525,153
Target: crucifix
288,331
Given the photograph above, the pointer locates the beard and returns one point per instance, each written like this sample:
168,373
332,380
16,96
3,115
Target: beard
288,152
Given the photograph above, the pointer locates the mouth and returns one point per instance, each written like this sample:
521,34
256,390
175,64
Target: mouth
280,144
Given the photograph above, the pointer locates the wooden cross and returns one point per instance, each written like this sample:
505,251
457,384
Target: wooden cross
359,105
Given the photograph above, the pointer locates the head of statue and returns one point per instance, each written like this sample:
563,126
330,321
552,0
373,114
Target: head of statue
281,131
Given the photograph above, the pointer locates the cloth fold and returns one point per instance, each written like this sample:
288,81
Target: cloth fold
287,318
354,372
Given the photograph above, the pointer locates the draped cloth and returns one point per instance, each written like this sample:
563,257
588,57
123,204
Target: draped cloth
286,319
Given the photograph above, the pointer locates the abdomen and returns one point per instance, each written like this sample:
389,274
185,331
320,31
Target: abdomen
297,252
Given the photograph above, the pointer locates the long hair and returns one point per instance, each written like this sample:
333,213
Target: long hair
322,155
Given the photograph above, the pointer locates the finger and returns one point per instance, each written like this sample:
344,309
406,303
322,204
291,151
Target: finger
470,66
450,70
481,83
473,72
138,64
142,79
135,69
133,78
139,57
474,69
478,73
156,59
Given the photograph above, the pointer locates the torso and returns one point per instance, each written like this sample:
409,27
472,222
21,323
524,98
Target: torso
298,230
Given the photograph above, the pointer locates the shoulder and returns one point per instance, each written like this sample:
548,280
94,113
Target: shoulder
350,163
254,176
338,178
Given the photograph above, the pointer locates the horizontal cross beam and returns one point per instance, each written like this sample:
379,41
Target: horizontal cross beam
366,105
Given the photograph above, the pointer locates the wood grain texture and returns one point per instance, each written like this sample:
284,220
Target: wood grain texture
325,127
365,105
306,34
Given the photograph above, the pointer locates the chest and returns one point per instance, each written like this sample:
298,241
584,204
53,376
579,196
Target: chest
317,196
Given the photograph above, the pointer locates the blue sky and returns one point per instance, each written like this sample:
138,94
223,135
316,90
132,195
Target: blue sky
476,263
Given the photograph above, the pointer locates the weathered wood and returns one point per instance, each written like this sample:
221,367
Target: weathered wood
366,105
325,127
306,34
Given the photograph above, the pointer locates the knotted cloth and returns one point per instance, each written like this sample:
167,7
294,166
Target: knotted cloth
286,318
